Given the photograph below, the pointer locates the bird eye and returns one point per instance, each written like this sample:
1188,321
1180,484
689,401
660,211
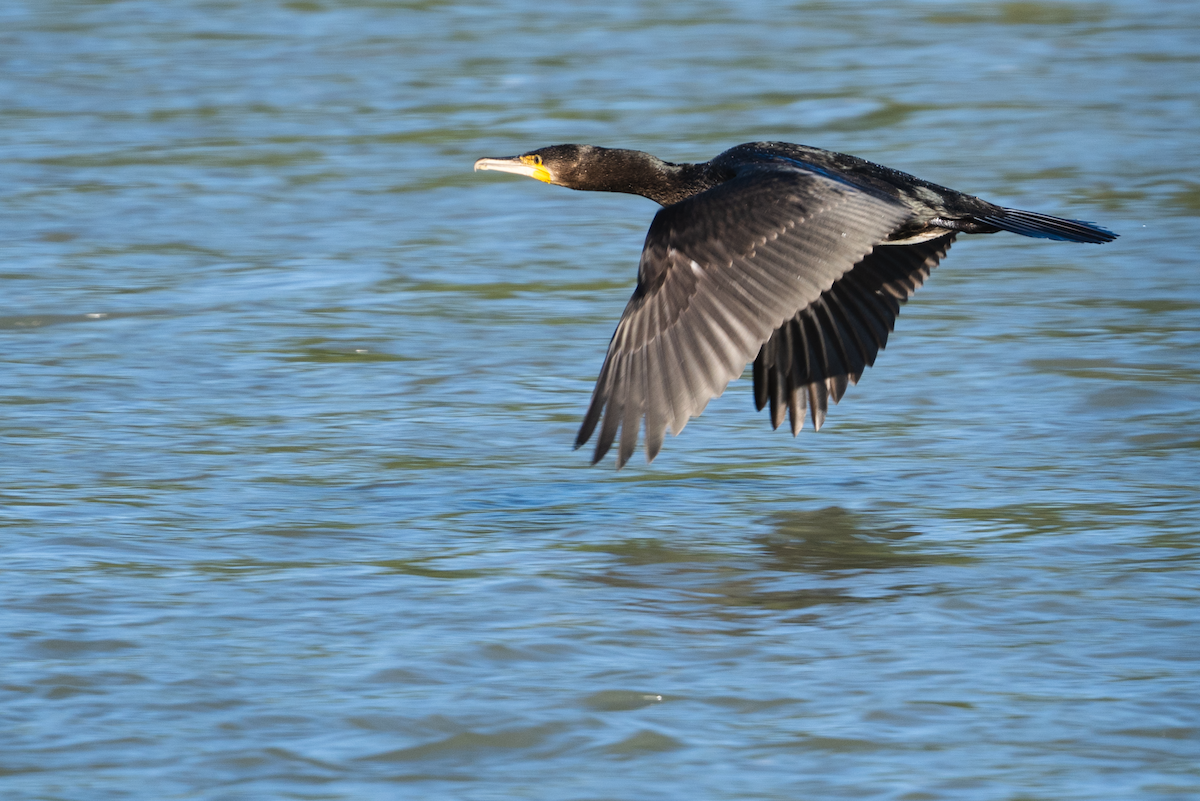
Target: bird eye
537,160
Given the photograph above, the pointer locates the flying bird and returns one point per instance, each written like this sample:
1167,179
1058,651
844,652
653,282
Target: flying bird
791,256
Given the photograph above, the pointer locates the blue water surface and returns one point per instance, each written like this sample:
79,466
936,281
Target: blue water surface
288,502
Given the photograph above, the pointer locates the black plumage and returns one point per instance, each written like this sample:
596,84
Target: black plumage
790,256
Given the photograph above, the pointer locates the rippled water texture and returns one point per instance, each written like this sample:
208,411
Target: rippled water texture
289,505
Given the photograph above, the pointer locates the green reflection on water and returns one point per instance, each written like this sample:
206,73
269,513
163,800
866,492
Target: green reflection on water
1019,13
806,559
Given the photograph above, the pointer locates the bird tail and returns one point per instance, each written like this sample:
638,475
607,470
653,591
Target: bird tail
1043,226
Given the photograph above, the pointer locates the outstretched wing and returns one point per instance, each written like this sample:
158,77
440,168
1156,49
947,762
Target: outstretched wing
812,357
719,273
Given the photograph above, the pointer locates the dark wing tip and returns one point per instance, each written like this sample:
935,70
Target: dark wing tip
1045,226
589,424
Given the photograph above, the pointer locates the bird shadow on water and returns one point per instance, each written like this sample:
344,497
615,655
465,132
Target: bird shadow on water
804,560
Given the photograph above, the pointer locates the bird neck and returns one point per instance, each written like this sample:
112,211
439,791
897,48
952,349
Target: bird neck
636,173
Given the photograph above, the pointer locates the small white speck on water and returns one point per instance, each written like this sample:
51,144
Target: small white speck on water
95,315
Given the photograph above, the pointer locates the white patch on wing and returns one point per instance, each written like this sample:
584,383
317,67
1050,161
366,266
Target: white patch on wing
696,268
928,195
932,232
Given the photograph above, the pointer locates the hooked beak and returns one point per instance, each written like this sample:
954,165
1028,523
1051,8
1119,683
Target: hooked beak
518,165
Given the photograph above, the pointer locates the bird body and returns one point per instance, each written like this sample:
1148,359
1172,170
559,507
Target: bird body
791,256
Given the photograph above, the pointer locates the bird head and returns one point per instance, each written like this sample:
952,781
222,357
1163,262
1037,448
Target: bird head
564,165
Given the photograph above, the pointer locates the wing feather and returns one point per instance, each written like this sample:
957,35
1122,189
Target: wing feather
720,272
828,344
658,403
634,404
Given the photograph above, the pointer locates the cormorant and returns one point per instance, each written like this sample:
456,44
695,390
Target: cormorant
792,256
